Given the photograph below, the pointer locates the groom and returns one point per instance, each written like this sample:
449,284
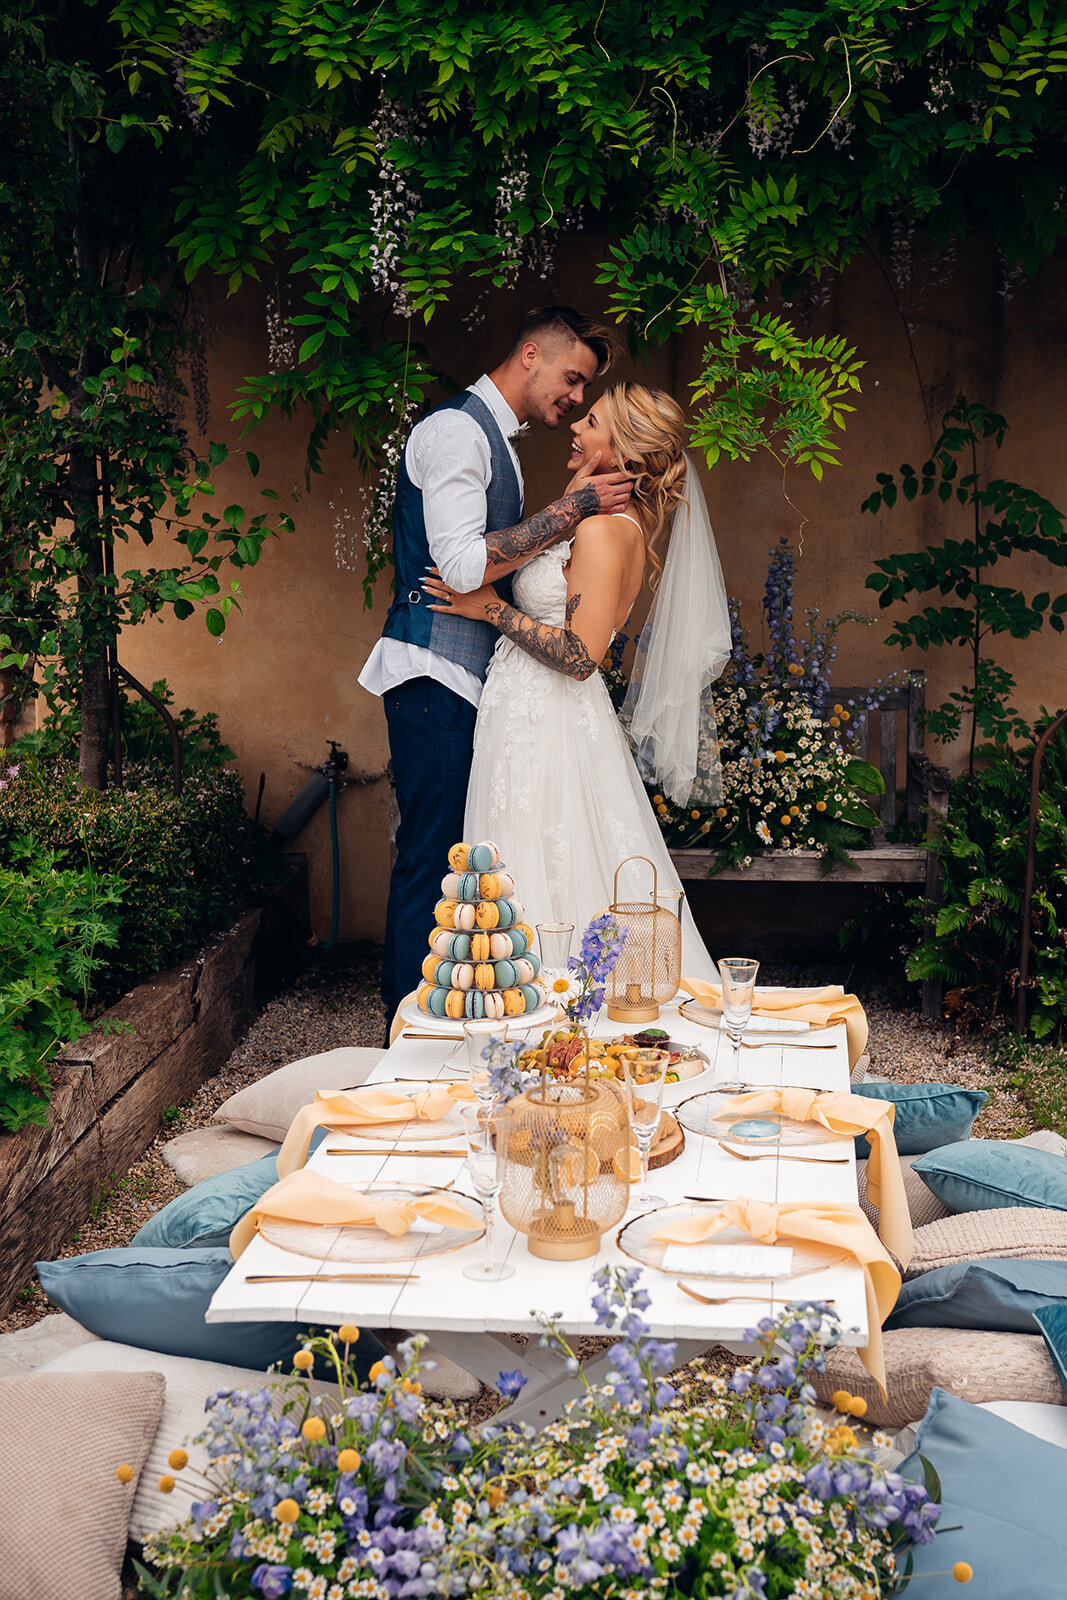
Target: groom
459,507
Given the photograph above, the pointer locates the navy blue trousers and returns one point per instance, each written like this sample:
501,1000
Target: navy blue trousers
431,743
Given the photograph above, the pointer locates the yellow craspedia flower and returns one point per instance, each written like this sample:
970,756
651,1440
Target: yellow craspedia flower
820,805
962,1572
858,1406
705,827
348,1333
495,1496
124,1472
303,1360
785,819
835,722
379,1370
845,715
780,755
349,1461
166,1484
795,669
313,1429
657,799
410,1386
695,815
286,1511
838,710
841,1400
720,811
178,1459
794,811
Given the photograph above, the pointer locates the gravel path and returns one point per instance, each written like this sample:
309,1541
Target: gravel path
335,1002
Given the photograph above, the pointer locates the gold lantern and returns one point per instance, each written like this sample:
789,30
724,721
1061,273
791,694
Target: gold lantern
566,1168
649,969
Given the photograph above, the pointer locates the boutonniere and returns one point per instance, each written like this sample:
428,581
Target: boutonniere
520,432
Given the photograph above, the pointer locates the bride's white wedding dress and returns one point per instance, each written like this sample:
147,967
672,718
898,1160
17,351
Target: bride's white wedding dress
554,784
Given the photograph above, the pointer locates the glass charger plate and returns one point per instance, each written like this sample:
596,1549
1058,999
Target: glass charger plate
711,1017
448,1027
370,1244
634,1240
448,1127
702,1114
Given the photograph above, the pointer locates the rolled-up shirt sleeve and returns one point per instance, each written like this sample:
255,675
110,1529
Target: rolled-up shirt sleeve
449,459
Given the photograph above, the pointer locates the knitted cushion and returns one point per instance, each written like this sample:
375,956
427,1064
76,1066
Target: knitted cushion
1025,1232
268,1106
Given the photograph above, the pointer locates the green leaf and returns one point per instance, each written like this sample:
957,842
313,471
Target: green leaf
216,622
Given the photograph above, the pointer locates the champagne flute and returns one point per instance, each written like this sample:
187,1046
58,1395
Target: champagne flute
554,939
479,1036
737,976
645,1072
486,1146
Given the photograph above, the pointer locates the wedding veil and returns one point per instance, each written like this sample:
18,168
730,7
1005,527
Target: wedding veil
684,645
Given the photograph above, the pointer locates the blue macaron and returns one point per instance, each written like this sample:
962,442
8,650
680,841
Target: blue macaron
474,1004
505,973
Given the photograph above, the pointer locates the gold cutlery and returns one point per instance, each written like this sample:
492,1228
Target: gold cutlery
384,1150
780,1155
728,1299
786,1039
441,1038
332,1277
428,1080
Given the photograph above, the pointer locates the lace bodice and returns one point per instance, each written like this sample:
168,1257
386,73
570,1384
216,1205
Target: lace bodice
540,587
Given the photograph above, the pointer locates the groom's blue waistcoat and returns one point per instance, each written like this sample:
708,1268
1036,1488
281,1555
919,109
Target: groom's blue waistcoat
463,640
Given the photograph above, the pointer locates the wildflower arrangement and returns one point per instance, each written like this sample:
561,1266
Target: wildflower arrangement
580,988
726,1487
789,778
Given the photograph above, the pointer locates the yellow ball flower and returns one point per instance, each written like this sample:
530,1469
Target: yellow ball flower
286,1511
695,815
795,669
794,811
780,755
841,1400
124,1473
785,819
349,1461
820,805
409,1386
705,827
835,722
858,1406
348,1332
303,1360
313,1429
962,1572
379,1370
838,710
495,1496
657,799
845,715
720,811
178,1459
166,1484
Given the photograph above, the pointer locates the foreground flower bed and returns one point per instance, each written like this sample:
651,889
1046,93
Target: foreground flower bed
730,1488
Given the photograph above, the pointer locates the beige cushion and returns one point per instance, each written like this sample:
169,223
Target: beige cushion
975,1366
29,1348
66,1513
205,1152
923,1204
268,1106
1028,1233
1045,1139
189,1384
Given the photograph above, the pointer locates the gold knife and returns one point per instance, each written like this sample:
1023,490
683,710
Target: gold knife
452,1155
333,1277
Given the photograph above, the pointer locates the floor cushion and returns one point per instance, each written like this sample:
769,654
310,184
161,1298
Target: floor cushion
1001,1296
189,1385
923,1205
26,1349
1002,1493
1052,1321
928,1115
979,1366
67,1515
1045,1139
268,1106
1022,1232
205,1216
203,1152
986,1174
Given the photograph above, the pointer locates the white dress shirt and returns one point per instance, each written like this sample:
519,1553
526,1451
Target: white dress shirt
448,457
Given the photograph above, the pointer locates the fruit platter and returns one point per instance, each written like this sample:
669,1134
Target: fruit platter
562,1054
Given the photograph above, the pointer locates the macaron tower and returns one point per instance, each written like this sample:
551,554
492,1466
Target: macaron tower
481,961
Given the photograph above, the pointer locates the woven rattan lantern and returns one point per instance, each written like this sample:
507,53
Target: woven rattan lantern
566,1175
649,970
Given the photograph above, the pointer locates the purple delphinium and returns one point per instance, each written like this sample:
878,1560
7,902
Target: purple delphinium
602,944
272,1582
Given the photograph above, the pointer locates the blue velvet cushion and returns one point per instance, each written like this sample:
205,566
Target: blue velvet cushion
1007,1489
1052,1320
157,1300
982,1174
205,1215
1001,1296
928,1114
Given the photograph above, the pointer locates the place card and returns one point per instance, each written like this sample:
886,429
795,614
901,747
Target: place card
730,1260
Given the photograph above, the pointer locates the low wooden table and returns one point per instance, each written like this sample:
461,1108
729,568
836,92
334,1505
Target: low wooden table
474,1323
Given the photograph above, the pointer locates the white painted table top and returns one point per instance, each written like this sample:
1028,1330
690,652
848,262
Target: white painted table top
441,1299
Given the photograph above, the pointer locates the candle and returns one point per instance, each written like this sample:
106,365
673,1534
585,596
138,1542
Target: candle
633,994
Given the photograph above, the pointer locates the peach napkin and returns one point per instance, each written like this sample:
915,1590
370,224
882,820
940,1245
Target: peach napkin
821,1008
844,1227
307,1196
847,1115
363,1108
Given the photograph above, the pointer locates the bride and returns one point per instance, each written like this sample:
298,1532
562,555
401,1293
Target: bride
554,782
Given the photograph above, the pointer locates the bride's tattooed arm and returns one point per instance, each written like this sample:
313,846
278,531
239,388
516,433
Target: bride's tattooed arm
557,648
508,548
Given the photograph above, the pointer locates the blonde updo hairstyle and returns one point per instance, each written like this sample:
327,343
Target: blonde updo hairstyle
648,432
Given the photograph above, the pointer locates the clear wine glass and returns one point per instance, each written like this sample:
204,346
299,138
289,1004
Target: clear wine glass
645,1072
737,976
554,940
484,1132
479,1035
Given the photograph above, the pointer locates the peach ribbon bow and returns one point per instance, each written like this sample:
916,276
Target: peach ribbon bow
366,1108
844,1227
821,1008
308,1196
847,1115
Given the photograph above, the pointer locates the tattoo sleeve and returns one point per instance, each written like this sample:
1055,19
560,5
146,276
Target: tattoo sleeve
557,648
508,547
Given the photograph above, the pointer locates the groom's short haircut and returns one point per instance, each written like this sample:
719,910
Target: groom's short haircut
563,322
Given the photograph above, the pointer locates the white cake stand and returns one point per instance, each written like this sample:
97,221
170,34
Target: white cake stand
416,1017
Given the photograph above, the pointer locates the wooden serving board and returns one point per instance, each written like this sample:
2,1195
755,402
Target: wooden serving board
669,1143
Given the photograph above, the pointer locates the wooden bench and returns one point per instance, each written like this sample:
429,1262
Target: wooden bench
892,737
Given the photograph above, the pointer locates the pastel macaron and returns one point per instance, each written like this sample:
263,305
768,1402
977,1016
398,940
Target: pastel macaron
481,857
505,974
457,857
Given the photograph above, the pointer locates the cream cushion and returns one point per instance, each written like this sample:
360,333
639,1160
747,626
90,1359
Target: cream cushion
923,1206
1026,1233
1043,1421
64,1434
268,1106
974,1366
189,1385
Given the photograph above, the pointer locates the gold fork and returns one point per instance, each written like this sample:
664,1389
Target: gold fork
728,1299
780,1155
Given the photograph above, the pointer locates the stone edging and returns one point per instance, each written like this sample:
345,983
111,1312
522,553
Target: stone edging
109,1094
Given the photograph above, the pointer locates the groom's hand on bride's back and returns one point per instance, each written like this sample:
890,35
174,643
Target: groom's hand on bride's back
612,489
